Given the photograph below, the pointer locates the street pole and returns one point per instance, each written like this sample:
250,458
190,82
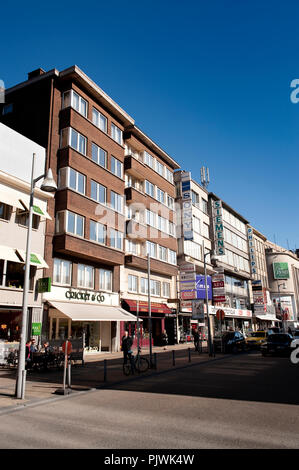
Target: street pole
149,307
21,359
207,301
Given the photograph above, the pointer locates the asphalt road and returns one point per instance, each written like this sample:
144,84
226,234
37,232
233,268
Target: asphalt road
245,401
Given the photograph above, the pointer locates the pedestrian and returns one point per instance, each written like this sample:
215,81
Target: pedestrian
126,345
28,359
164,338
196,339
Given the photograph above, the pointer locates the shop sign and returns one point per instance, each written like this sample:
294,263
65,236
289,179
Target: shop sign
251,250
186,306
281,271
198,311
231,312
188,276
186,205
196,289
188,267
218,228
86,296
218,286
36,329
44,285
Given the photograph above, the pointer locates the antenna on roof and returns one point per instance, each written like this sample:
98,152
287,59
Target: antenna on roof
204,176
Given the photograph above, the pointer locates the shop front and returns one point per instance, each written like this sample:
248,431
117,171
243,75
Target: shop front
234,319
73,313
162,318
265,321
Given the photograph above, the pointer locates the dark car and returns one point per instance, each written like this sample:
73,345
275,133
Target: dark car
233,341
296,334
277,344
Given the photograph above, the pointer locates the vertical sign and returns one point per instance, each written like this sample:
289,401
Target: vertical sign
251,250
218,228
186,205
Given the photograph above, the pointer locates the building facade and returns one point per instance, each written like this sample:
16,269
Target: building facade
15,190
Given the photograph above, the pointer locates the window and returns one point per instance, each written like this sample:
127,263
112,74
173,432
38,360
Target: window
195,199
155,288
205,230
71,98
171,229
162,224
72,138
143,285
15,275
62,272
116,239
77,181
171,257
22,218
98,192
105,279
132,247
99,155
166,289
204,205
149,189
159,168
162,253
150,218
169,175
151,249
149,160
116,167
75,224
196,224
85,276
160,195
116,202
7,108
99,120
97,232
116,134
170,202
132,283
5,211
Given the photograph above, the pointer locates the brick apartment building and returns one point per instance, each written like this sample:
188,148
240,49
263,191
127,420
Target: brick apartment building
102,163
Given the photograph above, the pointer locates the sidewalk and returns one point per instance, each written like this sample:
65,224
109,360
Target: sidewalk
41,386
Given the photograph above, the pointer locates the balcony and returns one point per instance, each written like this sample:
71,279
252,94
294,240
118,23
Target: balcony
156,266
135,196
135,167
135,230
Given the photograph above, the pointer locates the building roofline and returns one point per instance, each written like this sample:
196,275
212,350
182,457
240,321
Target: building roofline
50,73
227,206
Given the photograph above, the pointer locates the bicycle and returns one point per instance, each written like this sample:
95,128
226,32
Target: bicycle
138,363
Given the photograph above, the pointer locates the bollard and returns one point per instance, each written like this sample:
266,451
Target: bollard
155,360
69,374
173,357
189,354
105,370
24,373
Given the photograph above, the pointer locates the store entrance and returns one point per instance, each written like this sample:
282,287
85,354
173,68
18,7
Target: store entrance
10,325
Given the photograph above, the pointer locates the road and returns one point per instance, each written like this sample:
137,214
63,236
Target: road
245,401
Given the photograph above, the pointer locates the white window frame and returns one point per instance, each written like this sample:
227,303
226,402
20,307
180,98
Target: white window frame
116,134
118,167
118,236
98,186
119,202
96,120
132,286
149,160
150,186
166,294
103,274
76,223
70,101
62,263
98,150
85,269
98,227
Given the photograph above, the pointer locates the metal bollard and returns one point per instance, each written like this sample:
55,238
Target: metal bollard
155,360
189,354
173,357
69,374
24,373
105,370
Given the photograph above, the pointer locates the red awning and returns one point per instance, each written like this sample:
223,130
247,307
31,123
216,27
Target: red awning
143,307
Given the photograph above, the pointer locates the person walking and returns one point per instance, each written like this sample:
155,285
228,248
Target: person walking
196,340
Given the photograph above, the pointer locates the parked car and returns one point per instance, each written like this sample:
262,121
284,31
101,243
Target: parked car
255,339
277,344
274,329
296,334
233,341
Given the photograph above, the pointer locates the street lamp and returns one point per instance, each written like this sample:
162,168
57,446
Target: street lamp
48,185
280,309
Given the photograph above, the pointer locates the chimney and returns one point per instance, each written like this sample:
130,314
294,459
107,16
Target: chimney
36,73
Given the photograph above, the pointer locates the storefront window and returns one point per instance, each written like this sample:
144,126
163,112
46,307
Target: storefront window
15,275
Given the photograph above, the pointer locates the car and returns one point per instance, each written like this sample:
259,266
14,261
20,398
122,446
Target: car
296,334
274,329
255,339
277,344
233,341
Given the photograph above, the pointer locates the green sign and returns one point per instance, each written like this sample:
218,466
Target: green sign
44,285
281,271
36,329
34,259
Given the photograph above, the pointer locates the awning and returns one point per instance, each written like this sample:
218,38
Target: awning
267,317
35,259
10,197
87,312
8,253
37,208
143,307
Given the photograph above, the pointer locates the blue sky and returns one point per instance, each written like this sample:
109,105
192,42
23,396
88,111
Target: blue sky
208,81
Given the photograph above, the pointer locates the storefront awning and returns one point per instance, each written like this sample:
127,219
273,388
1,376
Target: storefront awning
267,317
36,208
8,253
87,312
10,197
143,307
35,259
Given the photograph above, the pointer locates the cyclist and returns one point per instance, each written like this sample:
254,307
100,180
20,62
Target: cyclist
126,344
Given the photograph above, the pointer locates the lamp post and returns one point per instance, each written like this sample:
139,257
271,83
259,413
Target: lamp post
280,309
149,308
48,185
